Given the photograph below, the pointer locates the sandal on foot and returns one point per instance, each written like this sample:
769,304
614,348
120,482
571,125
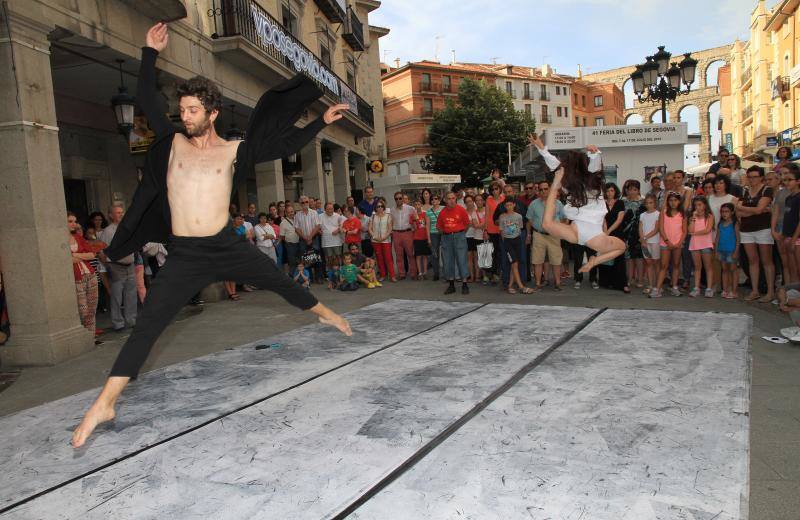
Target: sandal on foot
234,297
511,290
527,290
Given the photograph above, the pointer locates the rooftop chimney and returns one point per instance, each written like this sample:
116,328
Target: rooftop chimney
453,54
580,72
546,71
397,63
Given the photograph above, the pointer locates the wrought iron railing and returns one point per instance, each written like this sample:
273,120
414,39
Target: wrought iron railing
546,119
747,112
747,74
249,20
354,31
544,96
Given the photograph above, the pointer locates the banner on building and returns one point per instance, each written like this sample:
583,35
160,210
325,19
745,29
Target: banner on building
649,171
729,142
617,136
141,136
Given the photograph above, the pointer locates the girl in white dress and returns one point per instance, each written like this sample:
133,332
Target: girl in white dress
581,176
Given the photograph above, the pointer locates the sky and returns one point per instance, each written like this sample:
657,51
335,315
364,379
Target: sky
598,34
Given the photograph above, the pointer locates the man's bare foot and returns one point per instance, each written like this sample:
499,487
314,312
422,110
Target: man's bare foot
589,265
338,322
97,414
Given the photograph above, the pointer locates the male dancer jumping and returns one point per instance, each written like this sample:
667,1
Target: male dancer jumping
183,198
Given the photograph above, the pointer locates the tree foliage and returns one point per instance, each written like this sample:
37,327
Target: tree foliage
470,135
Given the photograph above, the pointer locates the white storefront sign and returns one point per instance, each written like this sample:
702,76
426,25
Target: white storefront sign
616,136
432,178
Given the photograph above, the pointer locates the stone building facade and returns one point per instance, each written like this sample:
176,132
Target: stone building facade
62,150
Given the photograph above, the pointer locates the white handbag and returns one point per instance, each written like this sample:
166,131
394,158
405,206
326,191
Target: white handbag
485,253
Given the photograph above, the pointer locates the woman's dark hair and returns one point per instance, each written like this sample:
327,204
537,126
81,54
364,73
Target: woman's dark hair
708,181
578,180
262,214
422,195
71,214
668,208
470,197
787,149
631,183
611,186
756,168
92,215
724,179
204,90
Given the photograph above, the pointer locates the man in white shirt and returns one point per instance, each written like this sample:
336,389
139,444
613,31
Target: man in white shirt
404,219
123,277
330,224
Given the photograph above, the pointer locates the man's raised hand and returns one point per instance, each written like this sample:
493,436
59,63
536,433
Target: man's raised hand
334,113
158,37
592,148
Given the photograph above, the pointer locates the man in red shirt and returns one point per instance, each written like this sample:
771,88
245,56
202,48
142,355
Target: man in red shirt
452,224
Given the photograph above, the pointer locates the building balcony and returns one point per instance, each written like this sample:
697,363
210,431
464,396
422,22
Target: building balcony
527,95
247,36
746,77
447,88
794,74
546,119
544,96
354,31
780,87
427,113
511,92
429,87
747,113
334,10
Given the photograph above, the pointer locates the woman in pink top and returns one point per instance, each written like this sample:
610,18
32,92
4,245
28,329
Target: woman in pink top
701,245
672,227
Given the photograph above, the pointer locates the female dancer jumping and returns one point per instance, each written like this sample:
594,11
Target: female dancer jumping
581,175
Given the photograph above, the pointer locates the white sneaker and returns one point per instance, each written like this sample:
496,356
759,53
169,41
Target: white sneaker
595,285
694,293
655,293
674,291
577,285
790,332
709,293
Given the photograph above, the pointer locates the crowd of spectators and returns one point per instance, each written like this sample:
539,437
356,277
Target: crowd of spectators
705,237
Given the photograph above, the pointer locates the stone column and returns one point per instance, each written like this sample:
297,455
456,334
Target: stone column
341,175
313,176
359,163
705,135
269,183
37,267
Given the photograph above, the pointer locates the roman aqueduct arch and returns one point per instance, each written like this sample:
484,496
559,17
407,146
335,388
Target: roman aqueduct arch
702,96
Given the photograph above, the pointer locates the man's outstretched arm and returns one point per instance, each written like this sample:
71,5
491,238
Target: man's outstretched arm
147,96
297,138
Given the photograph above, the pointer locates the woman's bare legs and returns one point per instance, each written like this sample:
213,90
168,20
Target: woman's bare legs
765,254
607,247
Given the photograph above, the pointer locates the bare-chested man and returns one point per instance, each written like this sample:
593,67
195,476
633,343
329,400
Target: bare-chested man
197,173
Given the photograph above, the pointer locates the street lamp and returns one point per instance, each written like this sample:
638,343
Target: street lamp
124,105
658,81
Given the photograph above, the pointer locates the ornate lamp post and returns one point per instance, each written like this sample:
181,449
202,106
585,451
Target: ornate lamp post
658,81
124,105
